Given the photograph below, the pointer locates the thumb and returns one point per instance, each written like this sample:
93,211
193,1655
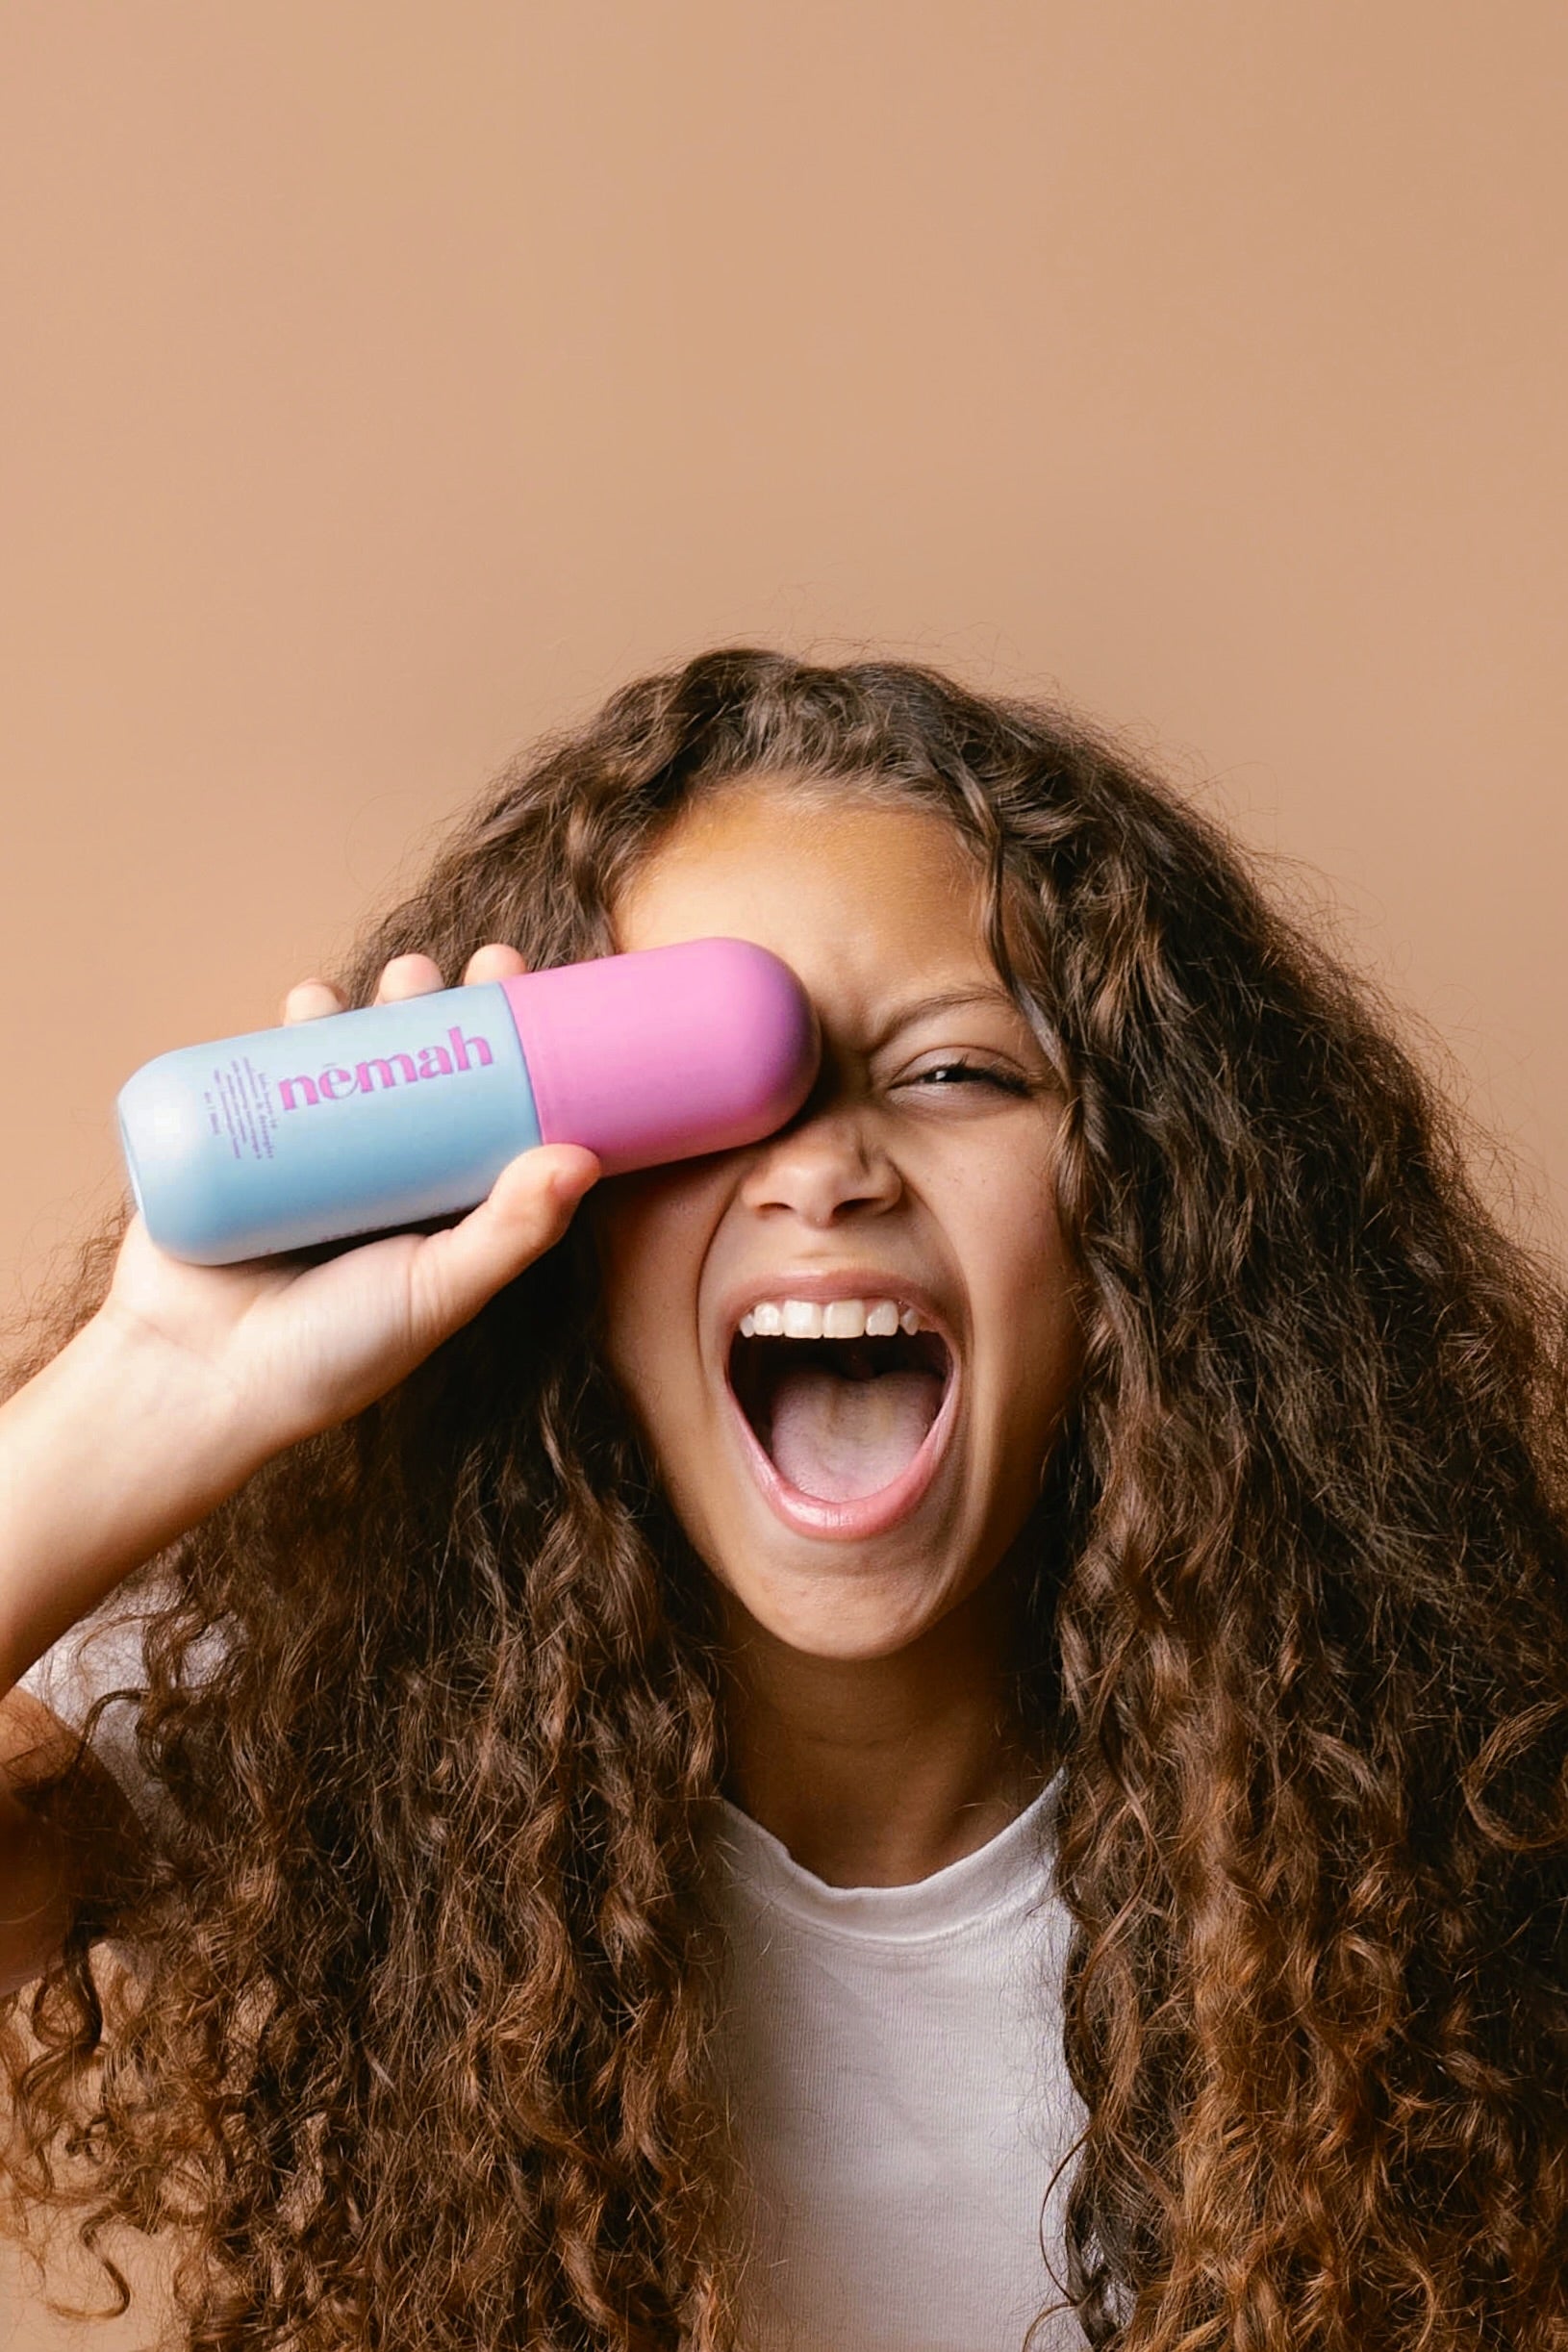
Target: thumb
526,1212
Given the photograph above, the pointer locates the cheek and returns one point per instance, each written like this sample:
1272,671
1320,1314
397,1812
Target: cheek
1024,1290
652,1233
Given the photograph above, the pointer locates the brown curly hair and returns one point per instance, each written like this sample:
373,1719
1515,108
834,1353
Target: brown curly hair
416,2046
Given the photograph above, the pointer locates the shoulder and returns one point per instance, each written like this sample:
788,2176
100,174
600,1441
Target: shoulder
102,1658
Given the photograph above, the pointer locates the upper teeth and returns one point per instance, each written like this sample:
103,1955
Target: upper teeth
834,1319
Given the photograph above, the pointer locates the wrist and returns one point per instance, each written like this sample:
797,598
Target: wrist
169,1401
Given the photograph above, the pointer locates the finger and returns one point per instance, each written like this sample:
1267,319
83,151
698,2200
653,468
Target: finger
529,1208
408,975
309,1000
495,961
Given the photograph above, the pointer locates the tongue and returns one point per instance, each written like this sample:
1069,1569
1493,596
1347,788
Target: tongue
836,1438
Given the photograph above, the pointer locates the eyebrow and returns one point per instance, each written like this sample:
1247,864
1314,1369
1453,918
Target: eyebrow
942,1001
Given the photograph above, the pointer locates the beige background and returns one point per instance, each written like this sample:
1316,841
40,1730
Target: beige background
384,383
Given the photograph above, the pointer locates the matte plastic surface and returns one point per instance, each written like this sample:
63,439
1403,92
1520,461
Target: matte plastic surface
666,1052
353,1123
392,1114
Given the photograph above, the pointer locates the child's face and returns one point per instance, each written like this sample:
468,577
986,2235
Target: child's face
863,1488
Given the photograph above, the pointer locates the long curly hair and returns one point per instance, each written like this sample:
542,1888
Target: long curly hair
413,2043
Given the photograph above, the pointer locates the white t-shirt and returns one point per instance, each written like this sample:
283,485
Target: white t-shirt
100,1653
893,2056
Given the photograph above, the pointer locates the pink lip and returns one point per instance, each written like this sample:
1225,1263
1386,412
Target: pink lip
858,1516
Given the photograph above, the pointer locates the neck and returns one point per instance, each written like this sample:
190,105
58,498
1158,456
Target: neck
877,1772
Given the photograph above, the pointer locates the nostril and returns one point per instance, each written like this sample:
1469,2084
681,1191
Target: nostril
820,1166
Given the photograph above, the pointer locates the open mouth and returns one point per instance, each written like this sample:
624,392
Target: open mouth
841,1418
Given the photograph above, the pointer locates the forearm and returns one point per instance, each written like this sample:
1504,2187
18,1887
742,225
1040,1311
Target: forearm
106,1456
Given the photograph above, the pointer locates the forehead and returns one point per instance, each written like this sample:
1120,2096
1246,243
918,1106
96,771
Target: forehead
858,892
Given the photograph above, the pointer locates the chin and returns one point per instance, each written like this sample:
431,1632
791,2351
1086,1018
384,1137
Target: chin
849,1612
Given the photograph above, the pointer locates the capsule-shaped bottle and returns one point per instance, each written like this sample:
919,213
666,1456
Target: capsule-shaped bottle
362,1121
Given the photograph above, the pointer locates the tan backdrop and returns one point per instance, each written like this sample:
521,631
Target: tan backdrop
386,382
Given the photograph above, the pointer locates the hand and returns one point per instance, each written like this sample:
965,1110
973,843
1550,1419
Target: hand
279,1349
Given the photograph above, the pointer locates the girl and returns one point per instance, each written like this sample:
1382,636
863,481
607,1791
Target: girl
947,1728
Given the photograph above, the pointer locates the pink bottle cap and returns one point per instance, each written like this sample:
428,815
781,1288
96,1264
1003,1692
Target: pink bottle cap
666,1051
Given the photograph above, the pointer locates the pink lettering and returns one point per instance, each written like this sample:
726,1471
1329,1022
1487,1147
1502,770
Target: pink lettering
460,1045
362,1070
384,1070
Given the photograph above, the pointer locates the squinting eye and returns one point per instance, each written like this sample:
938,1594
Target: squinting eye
972,1074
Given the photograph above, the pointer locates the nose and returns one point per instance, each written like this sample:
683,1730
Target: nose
822,1170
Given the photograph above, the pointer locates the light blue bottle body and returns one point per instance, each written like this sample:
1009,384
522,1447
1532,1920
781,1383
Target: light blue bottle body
352,1124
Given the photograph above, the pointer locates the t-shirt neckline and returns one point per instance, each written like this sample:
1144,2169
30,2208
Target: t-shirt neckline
961,1894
